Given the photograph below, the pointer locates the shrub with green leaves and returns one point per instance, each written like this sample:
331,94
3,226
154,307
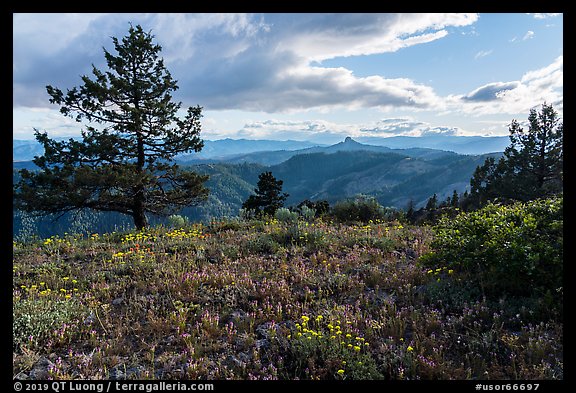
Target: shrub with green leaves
308,213
285,215
37,321
361,208
177,221
512,249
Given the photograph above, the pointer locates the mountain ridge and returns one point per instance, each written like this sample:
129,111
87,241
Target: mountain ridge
393,177
257,150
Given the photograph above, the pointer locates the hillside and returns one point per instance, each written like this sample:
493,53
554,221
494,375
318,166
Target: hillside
394,177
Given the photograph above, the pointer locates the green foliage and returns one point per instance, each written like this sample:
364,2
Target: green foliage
325,350
432,203
532,166
381,243
177,221
455,201
307,213
320,208
515,249
362,208
268,198
124,162
265,244
285,215
36,322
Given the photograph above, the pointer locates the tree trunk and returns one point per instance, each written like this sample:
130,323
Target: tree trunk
139,216
139,202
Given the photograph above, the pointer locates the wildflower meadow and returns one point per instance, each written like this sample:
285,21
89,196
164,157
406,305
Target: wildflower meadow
268,299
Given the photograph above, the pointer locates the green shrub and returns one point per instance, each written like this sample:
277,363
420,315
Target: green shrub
308,213
35,322
227,224
290,235
320,207
264,244
285,215
177,221
514,249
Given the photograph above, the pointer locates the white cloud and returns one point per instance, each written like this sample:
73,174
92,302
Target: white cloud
242,61
340,35
307,88
545,15
555,69
322,130
43,119
482,53
191,38
276,74
529,34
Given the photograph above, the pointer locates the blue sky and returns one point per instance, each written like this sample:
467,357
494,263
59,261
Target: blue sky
317,77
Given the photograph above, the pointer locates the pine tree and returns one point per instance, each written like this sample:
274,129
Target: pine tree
455,201
124,162
269,196
432,203
534,160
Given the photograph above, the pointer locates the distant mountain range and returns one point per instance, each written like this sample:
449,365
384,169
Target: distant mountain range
457,144
219,150
340,171
333,173
270,152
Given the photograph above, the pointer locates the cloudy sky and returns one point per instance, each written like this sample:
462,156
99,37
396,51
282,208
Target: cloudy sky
317,77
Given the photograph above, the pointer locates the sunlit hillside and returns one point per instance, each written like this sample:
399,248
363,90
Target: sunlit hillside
272,299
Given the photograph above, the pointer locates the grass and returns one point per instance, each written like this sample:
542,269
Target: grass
266,300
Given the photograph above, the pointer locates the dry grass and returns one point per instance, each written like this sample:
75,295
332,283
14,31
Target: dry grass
264,300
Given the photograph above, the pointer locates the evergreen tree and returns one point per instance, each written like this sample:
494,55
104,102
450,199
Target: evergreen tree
532,166
269,196
432,203
455,201
486,182
124,162
534,160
